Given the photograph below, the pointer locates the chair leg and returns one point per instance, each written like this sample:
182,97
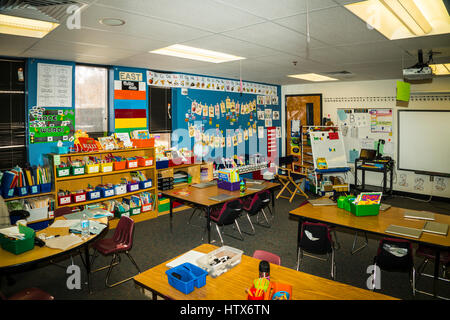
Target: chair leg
366,243
117,256
374,276
333,266
219,233
251,226
239,229
414,281
299,258
267,225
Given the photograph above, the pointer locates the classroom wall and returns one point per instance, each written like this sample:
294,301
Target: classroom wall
381,94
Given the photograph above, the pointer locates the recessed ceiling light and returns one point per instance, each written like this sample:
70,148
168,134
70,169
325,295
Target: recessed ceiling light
25,27
181,51
312,77
440,69
399,19
112,22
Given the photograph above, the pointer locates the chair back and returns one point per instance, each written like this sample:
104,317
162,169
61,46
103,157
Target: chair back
256,204
62,211
124,233
229,213
268,256
315,238
394,255
265,197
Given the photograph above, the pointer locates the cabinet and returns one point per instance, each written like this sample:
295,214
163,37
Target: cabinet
160,110
73,183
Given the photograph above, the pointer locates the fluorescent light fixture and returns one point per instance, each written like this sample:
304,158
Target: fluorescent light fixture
25,27
181,51
312,77
399,19
440,69
409,15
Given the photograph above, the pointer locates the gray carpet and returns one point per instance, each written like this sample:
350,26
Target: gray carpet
154,243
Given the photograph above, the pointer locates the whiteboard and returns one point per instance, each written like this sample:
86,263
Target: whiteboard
423,141
331,149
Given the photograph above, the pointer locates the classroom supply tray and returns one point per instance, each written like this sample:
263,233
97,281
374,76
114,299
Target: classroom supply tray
145,184
77,171
220,260
119,165
63,172
145,162
186,276
21,191
132,186
19,246
365,210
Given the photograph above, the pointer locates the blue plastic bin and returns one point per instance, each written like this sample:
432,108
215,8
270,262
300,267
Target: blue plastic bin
163,164
8,193
93,195
46,187
21,191
34,189
190,276
145,184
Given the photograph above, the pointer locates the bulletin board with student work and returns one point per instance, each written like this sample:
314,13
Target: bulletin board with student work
224,124
362,128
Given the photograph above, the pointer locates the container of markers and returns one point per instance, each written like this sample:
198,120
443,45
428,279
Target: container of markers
93,168
145,184
77,170
106,167
119,165
132,164
132,186
63,172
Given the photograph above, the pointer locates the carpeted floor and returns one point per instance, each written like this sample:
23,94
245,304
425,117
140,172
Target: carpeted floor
154,243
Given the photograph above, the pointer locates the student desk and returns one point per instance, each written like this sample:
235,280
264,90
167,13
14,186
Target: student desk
377,224
232,284
199,198
10,262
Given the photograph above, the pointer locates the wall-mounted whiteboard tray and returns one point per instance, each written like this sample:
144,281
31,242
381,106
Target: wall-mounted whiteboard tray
333,170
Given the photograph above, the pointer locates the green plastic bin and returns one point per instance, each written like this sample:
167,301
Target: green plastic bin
63,172
19,246
365,210
119,214
348,201
135,211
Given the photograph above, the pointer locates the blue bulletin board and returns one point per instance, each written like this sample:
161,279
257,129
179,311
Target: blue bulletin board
223,123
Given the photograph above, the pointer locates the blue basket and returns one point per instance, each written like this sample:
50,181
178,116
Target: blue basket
34,189
162,164
190,276
145,184
94,195
7,193
46,187
21,191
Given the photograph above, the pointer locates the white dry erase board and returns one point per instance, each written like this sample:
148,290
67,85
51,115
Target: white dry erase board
328,145
423,141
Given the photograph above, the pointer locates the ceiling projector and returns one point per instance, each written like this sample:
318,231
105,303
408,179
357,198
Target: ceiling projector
419,71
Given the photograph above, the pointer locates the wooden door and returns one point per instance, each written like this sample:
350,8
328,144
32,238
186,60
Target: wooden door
308,110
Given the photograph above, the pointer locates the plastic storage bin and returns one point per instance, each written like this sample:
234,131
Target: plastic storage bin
46,187
63,200
79,197
162,164
106,167
147,207
230,186
186,276
143,143
94,195
365,210
19,246
132,164
132,186
135,211
21,191
145,162
106,192
220,260
93,168
119,165
37,214
77,171
145,184
63,172
120,189
164,205
7,193
34,189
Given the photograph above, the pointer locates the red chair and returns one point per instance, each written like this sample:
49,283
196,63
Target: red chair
29,294
121,242
268,256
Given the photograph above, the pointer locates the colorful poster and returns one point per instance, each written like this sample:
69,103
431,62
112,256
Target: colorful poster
50,125
381,120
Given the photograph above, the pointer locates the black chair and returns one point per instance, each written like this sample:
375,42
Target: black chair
227,215
255,206
315,239
17,215
395,255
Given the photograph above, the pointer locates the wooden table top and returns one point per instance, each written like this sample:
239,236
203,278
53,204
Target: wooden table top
201,196
232,284
375,224
8,259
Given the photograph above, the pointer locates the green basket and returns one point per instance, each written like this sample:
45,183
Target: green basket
77,171
63,172
347,202
19,246
135,211
119,214
365,210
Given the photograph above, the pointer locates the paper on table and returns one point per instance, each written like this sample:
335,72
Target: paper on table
64,223
63,242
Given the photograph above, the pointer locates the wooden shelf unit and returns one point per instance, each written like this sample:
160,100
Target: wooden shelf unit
81,182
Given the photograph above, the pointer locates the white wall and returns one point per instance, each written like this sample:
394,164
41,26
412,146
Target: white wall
339,95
